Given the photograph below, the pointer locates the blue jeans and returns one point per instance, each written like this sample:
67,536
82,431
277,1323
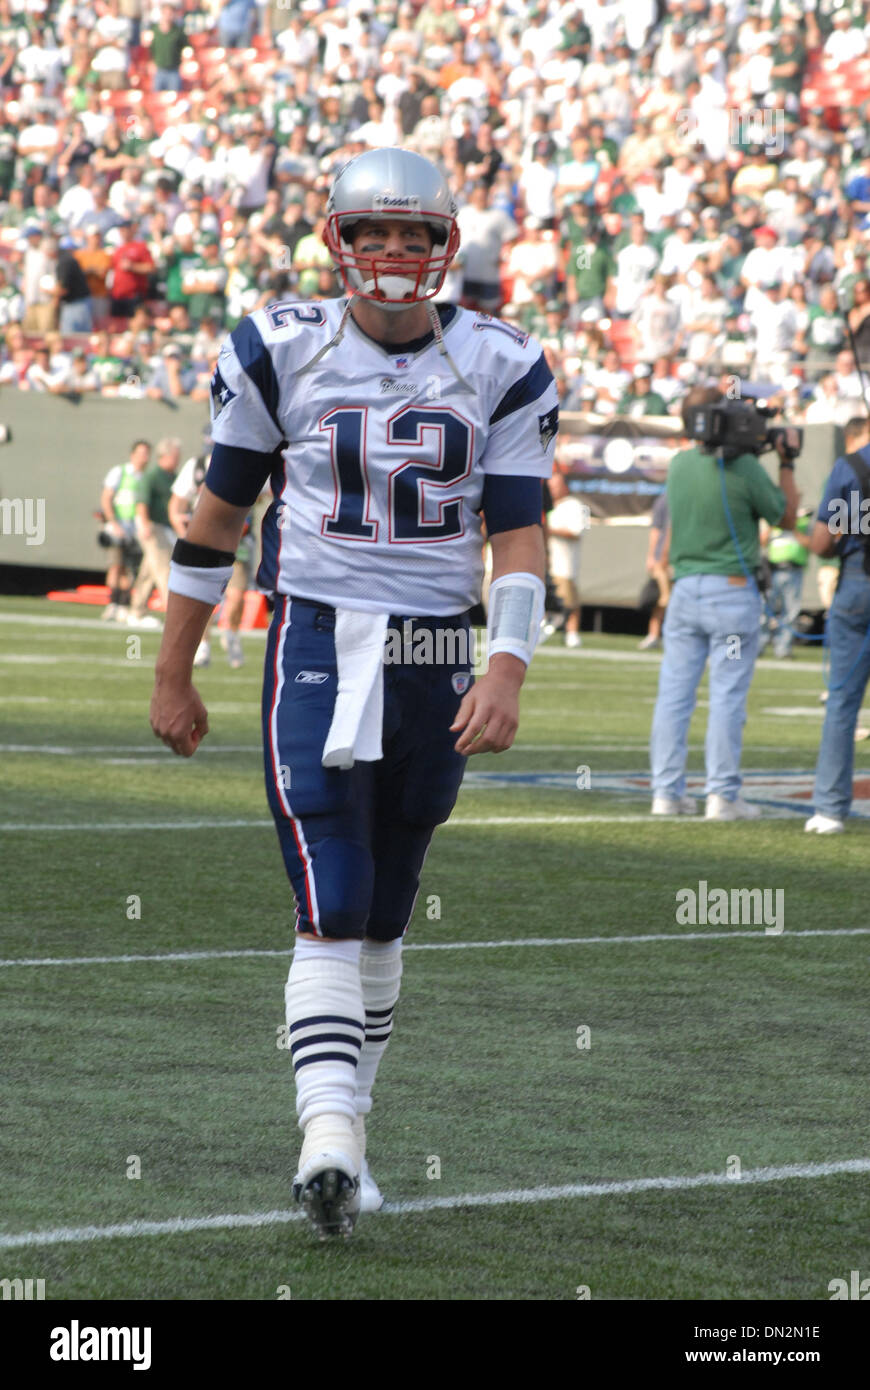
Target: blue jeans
77,317
784,601
706,618
167,80
848,624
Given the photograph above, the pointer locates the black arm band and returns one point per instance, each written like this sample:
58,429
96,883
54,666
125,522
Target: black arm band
201,556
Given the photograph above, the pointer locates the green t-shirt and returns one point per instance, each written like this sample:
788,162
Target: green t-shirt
202,302
827,332
589,264
166,49
153,489
650,404
701,540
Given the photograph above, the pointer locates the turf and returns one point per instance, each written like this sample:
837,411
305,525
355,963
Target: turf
701,1051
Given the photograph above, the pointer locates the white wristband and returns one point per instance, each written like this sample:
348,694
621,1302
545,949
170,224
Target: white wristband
206,584
516,608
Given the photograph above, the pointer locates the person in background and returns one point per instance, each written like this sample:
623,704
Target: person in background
565,526
787,554
658,569
714,613
837,532
118,506
153,532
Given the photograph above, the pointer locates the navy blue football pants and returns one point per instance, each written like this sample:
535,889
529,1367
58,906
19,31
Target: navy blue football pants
354,841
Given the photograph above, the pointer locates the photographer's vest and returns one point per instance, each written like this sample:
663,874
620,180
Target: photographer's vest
124,500
783,549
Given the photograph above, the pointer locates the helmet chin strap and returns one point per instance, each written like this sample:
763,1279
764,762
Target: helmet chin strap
334,340
442,347
437,333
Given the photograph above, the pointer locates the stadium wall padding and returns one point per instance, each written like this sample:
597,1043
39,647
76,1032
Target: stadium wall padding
61,450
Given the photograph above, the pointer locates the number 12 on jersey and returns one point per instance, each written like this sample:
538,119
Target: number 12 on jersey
410,483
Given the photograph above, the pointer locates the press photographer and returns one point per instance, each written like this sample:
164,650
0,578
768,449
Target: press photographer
717,492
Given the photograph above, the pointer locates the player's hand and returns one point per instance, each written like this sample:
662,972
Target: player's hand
490,713
178,717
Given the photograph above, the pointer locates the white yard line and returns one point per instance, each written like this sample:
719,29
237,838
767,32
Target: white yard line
523,1196
249,953
105,827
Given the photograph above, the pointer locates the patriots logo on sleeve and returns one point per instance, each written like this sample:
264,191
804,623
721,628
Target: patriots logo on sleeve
548,427
221,394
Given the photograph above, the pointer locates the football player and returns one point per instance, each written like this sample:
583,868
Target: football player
389,427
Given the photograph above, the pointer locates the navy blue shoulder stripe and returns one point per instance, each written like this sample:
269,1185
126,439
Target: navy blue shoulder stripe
529,388
257,362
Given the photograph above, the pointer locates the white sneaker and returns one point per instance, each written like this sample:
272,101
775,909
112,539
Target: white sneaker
371,1197
718,808
146,621
824,825
327,1185
573,639
203,654
861,733
674,806
109,613
649,643
231,643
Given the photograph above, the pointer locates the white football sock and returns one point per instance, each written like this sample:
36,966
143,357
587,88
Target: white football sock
381,977
326,1026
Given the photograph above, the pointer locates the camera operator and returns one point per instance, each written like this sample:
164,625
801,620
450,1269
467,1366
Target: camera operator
840,530
715,608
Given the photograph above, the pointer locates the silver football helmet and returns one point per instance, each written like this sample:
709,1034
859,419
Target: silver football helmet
392,184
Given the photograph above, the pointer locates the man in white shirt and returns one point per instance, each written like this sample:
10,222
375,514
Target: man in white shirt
484,231
635,265
77,204
845,42
565,526
776,324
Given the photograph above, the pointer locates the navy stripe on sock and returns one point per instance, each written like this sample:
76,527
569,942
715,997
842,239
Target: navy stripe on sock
327,1018
326,1057
324,1038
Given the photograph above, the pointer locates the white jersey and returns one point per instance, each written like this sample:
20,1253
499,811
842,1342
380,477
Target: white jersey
380,454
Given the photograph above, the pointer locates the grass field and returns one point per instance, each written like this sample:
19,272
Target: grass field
726,1059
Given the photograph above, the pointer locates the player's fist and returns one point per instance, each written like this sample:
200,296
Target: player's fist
178,717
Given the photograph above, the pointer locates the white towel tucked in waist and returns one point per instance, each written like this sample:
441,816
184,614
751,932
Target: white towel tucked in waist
357,721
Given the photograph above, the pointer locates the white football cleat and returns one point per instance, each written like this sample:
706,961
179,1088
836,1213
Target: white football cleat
327,1185
674,806
371,1197
146,621
824,825
719,808
573,640
649,643
203,654
109,613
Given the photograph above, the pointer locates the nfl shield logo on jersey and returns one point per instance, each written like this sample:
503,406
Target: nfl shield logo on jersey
460,680
548,425
400,363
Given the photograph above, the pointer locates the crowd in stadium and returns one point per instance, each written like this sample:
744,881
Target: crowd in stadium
664,193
